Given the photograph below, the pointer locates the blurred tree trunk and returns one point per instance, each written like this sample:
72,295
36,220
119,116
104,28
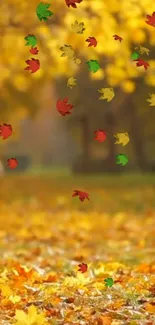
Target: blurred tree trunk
110,128
137,136
85,128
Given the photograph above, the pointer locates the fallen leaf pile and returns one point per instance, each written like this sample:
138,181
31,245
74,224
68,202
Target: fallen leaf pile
63,265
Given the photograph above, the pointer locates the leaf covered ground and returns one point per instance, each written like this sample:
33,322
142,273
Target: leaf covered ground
45,234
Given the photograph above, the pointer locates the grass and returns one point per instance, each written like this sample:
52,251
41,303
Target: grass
64,176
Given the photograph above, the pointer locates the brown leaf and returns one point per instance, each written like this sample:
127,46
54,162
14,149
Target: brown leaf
69,300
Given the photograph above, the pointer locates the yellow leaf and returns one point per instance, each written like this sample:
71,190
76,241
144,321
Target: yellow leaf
122,138
152,100
99,285
30,318
71,82
14,299
67,51
4,275
78,27
142,50
77,61
6,291
77,282
107,93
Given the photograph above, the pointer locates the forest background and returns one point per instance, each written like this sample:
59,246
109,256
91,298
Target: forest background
28,101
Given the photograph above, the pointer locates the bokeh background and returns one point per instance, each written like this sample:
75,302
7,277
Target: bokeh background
28,101
41,225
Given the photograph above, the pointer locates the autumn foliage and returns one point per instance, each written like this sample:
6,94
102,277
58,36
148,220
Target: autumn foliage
59,262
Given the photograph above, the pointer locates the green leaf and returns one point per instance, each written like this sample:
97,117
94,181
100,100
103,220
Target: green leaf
93,65
43,12
121,159
109,282
31,40
135,56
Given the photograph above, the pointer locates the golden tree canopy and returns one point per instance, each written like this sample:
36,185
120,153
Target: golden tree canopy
102,19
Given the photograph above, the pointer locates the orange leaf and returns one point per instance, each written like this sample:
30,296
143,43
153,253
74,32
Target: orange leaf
104,320
150,308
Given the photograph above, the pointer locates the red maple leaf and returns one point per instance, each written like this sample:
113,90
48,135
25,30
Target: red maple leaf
72,3
12,163
82,195
151,19
63,107
34,50
5,131
141,62
116,37
33,65
83,267
92,41
100,135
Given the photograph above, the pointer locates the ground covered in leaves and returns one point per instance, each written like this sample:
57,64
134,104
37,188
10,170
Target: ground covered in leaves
45,234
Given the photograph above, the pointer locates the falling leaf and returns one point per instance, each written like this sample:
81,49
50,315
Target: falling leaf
71,82
72,3
63,107
121,159
31,40
82,195
143,50
100,135
78,27
151,19
12,163
122,138
5,131
34,51
33,65
107,93
67,51
135,56
92,41
93,65
141,63
77,61
151,100
109,282
42,11
83,267
30,318
116,37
